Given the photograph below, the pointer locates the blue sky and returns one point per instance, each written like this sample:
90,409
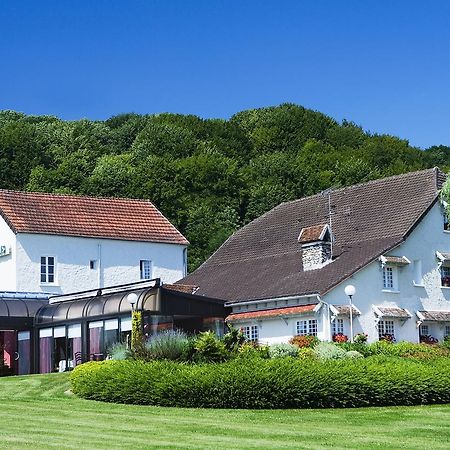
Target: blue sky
383,64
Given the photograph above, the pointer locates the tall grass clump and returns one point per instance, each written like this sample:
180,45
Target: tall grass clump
168,344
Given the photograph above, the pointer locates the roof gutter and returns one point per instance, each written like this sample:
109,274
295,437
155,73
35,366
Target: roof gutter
275,299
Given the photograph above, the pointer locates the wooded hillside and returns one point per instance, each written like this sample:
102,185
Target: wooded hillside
207,176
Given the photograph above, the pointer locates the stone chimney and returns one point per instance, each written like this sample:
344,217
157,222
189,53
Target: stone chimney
316,246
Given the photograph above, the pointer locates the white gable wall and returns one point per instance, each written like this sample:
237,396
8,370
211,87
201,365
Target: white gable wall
7,263
117,262
422,244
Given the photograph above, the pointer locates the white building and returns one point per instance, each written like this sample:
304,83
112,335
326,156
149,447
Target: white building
284,273
60,244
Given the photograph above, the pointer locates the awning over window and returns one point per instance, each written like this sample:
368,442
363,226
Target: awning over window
434,316
277,312
344,310
443,256
391,312
395,260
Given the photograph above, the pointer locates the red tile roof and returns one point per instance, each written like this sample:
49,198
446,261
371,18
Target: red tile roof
271,313
69,215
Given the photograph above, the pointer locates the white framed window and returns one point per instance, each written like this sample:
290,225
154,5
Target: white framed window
424,330
146,269
48,269
338,326
306,327
251,333
445,276
447,331
386,327
388,277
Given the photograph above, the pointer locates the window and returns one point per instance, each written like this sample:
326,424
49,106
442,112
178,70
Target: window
388,277
424,330
385,327
251,333
146,269
92,264
47,269
338,326
447,331
306,327
445,276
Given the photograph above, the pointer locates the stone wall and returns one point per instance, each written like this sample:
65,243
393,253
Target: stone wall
314,256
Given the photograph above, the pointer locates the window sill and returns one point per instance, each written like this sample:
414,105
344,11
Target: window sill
418,285
49,284
390,291
445,287
446,231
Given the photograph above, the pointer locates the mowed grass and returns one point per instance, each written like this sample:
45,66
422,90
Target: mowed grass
37,412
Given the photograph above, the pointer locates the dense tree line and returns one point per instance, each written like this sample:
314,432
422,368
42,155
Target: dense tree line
207,176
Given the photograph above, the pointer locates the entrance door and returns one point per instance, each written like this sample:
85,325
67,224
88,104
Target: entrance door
23,354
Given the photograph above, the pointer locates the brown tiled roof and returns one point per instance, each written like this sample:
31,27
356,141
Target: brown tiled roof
435,316
278,312
311,234
263,259
112,218
344,310
394,312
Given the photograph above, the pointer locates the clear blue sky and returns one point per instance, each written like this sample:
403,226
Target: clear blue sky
384,64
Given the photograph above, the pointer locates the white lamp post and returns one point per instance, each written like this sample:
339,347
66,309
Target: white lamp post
132,299
350,292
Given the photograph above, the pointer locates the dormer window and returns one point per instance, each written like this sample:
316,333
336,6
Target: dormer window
316,246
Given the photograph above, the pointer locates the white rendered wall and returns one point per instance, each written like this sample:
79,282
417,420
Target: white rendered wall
7,263
280,330
119,262
422,244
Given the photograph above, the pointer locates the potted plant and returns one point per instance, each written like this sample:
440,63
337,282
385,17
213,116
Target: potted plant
446,281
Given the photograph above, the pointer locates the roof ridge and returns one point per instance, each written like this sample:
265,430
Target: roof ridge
77,196
365,183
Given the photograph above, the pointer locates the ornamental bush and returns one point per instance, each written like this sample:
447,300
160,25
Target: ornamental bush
283,350
168,344
267,383
328,350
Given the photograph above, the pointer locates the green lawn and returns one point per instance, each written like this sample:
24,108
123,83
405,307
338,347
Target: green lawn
35,412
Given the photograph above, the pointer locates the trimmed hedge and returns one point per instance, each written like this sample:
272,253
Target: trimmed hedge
260,383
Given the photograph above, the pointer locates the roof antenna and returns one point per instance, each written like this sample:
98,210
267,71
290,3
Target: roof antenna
327,193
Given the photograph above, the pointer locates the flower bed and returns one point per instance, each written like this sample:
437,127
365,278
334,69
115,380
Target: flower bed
267,383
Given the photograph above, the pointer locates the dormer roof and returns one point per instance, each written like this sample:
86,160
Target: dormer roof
71,215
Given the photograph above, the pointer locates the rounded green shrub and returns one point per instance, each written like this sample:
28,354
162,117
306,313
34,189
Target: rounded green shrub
267,383
328,350
282,350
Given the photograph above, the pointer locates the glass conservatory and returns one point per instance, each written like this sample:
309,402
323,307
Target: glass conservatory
58,334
